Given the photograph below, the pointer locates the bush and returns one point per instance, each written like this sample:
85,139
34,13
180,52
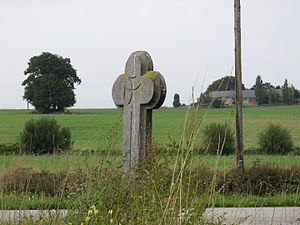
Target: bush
261,180
7,149
44,136
275,139
218,139
28,180
217,103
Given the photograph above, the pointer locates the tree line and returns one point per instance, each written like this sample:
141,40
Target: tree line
265,92
51,80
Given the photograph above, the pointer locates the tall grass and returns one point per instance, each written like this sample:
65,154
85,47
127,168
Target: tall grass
158,192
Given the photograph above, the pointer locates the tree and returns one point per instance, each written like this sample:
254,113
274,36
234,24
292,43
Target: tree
217,103
204,98
296,94
292,95
176,101
285,92
49,86
226,83
260,91
273,96
289,94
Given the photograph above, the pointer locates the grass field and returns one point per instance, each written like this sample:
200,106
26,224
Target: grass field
92,128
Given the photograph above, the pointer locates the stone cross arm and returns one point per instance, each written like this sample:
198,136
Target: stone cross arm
152,95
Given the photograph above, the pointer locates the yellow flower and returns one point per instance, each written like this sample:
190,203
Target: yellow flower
111,221
93,207
81,224
53,211
96,211
70,223
90,212
110,212
87,219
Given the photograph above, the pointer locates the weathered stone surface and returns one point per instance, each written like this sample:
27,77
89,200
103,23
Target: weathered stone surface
137,92
18,216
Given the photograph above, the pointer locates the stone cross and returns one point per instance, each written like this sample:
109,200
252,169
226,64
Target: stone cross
137,92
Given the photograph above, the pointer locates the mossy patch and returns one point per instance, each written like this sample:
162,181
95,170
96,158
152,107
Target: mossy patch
152,75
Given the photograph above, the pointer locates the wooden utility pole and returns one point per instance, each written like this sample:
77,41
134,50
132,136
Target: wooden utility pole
238,87
193,89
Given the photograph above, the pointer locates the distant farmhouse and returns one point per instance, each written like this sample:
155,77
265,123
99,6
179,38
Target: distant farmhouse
228,97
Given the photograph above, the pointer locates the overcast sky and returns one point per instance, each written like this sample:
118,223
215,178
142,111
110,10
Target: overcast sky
186,39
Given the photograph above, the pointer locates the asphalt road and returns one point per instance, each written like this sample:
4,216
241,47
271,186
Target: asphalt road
244,216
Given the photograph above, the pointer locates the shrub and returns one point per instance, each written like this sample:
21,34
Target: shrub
261,180
217,103
218,139
7,149
44,136
275,139
28,180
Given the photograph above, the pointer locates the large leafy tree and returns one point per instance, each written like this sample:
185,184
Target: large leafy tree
49,86
226,83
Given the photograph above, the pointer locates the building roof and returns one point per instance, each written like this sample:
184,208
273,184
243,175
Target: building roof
222,94
247,94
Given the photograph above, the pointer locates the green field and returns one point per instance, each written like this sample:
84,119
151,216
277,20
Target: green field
93,128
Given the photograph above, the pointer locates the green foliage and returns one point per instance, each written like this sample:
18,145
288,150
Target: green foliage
44,136
261,181
273,97
93,187
176,101
204,98
289,93
285,92
49,86
297,94
260,91
218,139
217,103
242,200
275,139
7,149
28,180
266,93
226,83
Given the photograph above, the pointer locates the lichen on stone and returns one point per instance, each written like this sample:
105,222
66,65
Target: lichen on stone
152,74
